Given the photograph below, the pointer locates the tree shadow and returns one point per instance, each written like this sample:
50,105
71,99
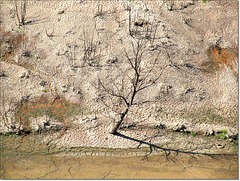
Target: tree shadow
166,150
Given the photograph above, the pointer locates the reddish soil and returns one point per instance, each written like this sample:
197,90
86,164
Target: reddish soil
223,56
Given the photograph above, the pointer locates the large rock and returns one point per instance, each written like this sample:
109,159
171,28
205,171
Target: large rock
45,123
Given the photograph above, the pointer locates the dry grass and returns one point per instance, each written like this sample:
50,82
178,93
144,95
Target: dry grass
59,110
10,43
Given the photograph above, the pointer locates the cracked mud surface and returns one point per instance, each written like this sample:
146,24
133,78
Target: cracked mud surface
100,167
29,157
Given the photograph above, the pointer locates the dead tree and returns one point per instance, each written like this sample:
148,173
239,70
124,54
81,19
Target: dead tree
21,12
118,92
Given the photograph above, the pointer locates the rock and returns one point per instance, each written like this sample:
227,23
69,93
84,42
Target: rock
181,128
76,90
13,127
141,22
39,123
26,54
88,119
45,123
152,47
16,58
64,88
89,122
24,74
165,88
208,132
2,74
220,146
43,83
61,12
112,60
161,126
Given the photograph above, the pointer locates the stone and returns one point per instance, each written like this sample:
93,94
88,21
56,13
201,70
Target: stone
209,132
26,54
24,74
112,60
165,88
61,12
220,146
64,88
89,122
43,83
2,74
141,22
45,123
76,90
39,123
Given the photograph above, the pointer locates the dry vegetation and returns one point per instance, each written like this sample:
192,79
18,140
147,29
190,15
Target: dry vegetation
10,43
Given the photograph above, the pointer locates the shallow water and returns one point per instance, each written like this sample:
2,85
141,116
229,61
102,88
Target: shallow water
115,167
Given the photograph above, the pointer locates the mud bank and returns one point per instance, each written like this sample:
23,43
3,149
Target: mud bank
111,167
32,157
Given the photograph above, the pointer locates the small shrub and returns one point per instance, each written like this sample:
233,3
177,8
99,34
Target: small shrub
223,136
235,142
193,133
224,131
188,131
11,43
7,134
10,133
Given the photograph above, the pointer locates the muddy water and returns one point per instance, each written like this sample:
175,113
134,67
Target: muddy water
115,167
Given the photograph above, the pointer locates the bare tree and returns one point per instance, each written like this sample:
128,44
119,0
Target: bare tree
118,92
21,11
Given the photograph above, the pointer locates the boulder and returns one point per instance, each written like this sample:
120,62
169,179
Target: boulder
45,123
24,74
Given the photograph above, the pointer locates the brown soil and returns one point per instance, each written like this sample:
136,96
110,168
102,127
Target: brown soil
223,57
109,167
30,157
58,109
11,42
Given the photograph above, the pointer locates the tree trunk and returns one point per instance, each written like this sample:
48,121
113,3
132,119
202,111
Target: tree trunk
117,125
